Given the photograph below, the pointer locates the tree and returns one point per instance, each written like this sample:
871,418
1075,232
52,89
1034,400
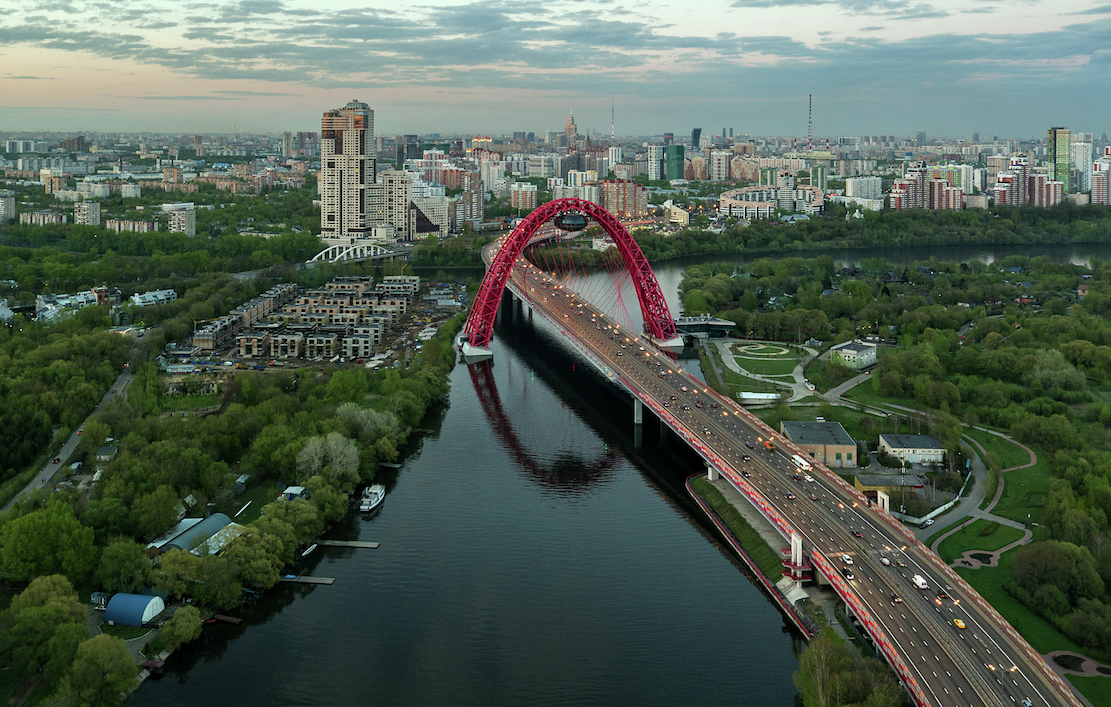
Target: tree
36,616
346,386
176,572
123,567
334,456
330,501
62,650
156,512
183,627
48,541
103,672
256,557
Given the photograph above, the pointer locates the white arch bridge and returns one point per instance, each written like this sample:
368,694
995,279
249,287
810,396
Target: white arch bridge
362,251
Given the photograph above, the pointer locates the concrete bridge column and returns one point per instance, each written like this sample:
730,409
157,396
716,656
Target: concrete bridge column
883,501
638,412
711,472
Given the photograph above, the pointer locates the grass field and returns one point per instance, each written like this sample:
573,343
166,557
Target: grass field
260,495
1024,492
767,367
1096,689
765,557
734,382
1009,453
981,535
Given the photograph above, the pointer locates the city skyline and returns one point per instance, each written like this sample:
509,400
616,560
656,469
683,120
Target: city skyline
874,66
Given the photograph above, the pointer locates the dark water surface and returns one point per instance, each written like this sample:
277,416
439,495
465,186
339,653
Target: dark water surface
531,554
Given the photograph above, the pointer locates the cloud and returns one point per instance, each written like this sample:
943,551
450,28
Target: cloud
187,98
30,78
1100,10
253,93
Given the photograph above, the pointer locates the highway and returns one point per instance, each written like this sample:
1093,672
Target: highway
947,644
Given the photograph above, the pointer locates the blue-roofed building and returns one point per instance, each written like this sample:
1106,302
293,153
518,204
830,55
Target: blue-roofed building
133,609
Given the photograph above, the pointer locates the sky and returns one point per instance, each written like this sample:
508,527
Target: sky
1010,68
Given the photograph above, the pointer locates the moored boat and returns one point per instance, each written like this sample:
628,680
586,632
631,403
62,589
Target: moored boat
372,498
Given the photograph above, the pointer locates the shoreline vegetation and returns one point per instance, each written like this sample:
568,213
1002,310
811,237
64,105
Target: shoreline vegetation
1064,224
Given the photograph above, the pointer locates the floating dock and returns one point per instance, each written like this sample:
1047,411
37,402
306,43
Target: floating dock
302,579
228,619
348,543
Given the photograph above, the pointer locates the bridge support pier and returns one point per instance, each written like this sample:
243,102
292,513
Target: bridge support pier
883,500
638,412
711,472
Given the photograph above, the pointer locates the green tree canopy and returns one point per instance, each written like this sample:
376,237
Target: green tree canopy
48,541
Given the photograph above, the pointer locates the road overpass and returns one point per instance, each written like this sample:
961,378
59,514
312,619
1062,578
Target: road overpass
985,663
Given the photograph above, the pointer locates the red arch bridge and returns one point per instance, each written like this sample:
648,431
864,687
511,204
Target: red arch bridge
948,646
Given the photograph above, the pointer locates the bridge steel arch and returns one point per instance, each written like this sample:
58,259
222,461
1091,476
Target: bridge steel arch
657,317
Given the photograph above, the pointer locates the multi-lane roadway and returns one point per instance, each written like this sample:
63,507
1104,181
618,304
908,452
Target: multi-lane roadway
948,646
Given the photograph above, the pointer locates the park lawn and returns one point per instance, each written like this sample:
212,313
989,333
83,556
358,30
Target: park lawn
1038,632
1010,454
767,366
972,538
768,351
938,534
862,393
1097,688
767,559
175,403
1024,492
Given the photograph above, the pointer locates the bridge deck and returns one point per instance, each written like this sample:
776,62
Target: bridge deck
987,663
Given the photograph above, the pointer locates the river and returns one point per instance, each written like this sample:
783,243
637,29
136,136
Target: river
534,556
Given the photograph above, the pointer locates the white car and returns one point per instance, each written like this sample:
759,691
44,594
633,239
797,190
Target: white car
886,562
846,559
809,479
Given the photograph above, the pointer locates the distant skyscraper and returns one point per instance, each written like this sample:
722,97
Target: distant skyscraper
347,168
570,130
287,144
920,138
1080,156
696,138
656,162
669,138
1057,155
675,162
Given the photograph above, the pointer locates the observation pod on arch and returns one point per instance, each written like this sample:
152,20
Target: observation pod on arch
479,328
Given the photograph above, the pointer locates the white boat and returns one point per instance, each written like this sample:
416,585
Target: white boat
372,498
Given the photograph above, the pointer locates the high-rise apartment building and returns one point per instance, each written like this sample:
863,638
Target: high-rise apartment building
7,208
347,168
183,221
87,213
864,187
1012,185
1080,157
287,144
1101,179
614,156
1057,155
719,165
696,138
625,200
522,195
656,162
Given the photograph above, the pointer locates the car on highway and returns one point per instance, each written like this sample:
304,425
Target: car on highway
896,599
686,407
901,563
790,496
662,374
745,457
674,397
666,404
926,523
857,534
813,497
809,478
847,573
750,445
620,353
885,562
684,388
56,461
714,405
744,473
80,432
958,623
847,559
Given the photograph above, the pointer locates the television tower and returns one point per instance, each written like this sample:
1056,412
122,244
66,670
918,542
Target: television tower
810,123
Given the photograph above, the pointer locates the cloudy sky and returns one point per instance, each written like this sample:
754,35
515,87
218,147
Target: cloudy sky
949,67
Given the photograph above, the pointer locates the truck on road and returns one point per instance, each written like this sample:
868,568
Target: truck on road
801,463
920,582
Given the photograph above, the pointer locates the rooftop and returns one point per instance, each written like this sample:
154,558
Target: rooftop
896,441
817,433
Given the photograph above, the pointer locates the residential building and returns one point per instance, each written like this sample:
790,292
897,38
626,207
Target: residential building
674,161
7,208
719,165
1057,155
41,218
864,187
1080,158
625,200
1101,179
347,167
913,449
154,297
125,226
522,195
854,354
87,213
183,221
656,165
760,202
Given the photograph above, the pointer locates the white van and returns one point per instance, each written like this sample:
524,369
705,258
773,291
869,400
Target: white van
920,582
